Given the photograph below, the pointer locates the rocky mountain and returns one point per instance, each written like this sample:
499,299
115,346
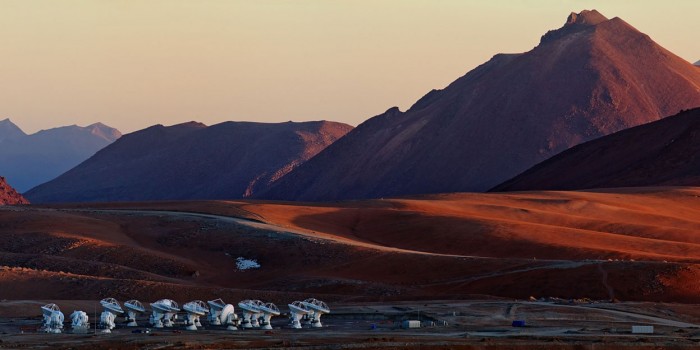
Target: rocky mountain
662,153
29,160
9,195
192,161
592,77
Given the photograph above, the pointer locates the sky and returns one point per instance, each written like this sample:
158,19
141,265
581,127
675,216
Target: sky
132,64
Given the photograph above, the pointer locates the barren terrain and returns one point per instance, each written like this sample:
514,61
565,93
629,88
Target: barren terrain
631,244
552,252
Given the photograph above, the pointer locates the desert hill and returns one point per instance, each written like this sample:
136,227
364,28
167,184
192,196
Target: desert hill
29,160
639,242
590,78
9,195
192,161
662,153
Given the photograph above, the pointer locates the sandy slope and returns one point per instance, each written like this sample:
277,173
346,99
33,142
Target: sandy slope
631,244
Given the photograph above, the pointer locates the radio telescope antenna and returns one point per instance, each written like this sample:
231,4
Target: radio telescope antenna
228,317
319,308
297,310
268,310
164,312
53,318
134,308
251,313
195,309
111,309
79,322
222,313
215,308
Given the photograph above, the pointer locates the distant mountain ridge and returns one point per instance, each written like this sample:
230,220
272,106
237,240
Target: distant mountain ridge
10,131
9,195
662,153
192,161
592,77
29,160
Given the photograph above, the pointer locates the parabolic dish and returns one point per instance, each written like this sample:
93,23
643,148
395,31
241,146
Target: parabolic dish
216,304
50,309
299,307
111,304
317,305
134,305
270,308
165,305
196,307
225,312
251,305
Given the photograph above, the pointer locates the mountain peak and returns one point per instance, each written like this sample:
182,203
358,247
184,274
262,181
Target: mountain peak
585,17
9,130
6,121
589,78
104,131
575,23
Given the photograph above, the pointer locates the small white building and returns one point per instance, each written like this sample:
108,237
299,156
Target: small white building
410,324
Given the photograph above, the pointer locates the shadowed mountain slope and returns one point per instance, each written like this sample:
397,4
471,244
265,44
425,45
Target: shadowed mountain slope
590,78
665,152
192,161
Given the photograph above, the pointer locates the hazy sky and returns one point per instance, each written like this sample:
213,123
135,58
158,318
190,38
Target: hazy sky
131,64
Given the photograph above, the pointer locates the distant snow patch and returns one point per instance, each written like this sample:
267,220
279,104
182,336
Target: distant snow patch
246,264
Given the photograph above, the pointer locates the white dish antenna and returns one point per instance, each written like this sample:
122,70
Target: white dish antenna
215,308
195,309
319,308
268,310
297,310
111,309
134,308
49,309
251,313
53,318
164,313
112,305
228,317
79,322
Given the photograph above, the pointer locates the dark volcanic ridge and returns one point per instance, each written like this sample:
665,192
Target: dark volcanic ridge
662,153
590,78
192,161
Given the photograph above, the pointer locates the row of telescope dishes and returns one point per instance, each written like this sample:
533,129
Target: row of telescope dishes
53,317
256,314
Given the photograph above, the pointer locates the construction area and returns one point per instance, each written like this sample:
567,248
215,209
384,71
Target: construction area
489,324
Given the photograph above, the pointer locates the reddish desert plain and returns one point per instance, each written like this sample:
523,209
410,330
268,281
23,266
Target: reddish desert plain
475,261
